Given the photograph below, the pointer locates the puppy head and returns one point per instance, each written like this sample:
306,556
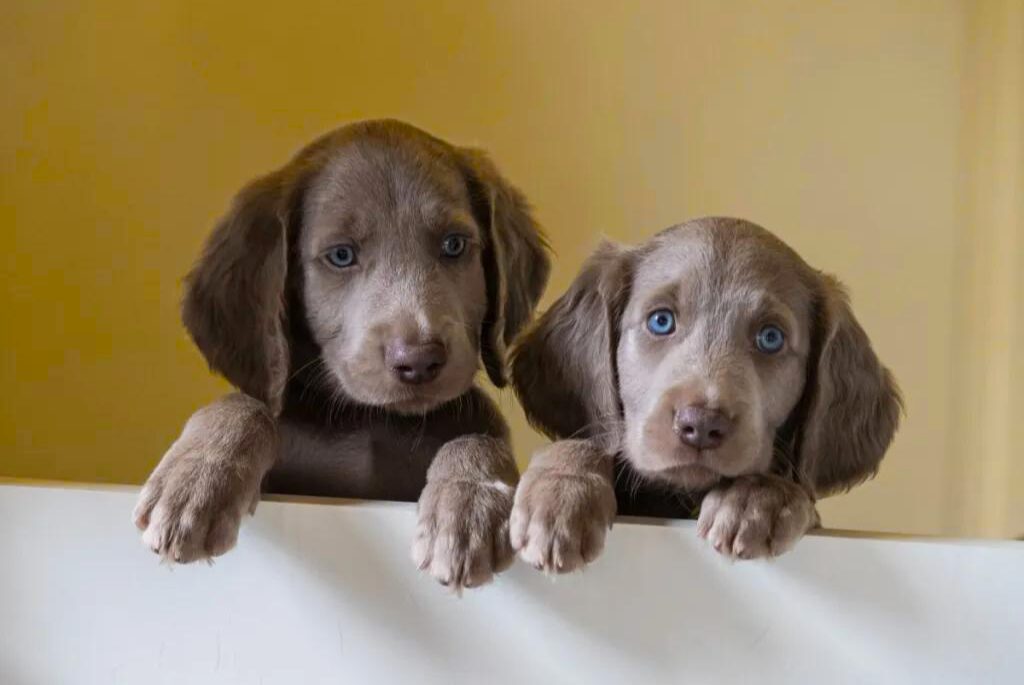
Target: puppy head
711,351
397,260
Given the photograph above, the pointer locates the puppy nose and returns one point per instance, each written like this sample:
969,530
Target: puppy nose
702,428
415,364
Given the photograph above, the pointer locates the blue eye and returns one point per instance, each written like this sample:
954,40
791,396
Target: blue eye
770,339
453,245
661,322
341,256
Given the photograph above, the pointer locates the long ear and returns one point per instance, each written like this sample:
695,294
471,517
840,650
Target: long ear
853,406
515,259
234,300
563,367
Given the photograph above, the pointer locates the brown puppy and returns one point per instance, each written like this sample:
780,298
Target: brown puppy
709,366
349,296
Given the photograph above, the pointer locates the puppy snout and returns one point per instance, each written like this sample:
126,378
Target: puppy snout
701,428
414,364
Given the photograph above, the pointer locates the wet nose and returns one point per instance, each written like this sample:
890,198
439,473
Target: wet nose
702,428
415,363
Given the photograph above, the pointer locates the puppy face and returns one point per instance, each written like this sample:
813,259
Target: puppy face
381,261
711,351
712,354
394,289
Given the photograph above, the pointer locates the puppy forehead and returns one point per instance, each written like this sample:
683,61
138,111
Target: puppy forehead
708,263
389,178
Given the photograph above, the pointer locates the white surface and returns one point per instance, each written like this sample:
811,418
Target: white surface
319,593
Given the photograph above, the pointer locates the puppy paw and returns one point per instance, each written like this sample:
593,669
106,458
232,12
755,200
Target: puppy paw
184,523
560,518
462,534
191,507
756,516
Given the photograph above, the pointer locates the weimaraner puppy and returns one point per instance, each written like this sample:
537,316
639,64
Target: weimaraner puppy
351,296
708,368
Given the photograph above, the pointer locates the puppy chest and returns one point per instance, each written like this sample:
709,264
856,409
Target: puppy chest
366,462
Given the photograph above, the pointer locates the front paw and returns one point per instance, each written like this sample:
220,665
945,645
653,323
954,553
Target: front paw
191,511
756,516
560,518
462,535
192,505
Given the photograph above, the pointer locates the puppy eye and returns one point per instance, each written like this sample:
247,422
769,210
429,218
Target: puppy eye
453,245
341,256
661,322
770,339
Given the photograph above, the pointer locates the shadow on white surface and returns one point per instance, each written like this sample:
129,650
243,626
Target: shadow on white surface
327,592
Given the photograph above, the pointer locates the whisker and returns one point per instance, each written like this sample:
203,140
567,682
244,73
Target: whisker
315,360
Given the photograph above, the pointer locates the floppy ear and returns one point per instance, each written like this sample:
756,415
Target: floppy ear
563,367
234,299
853,406
515,259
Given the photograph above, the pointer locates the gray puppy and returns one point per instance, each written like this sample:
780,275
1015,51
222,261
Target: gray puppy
351,296
710,366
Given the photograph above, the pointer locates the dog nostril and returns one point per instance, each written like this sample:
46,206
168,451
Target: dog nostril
415,364
701,428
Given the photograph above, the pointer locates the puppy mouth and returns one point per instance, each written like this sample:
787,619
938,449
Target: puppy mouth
693,470
680,465
374,385
403,399
700,469
416,403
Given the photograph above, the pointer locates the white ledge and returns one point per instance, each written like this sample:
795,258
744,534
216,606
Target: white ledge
318,593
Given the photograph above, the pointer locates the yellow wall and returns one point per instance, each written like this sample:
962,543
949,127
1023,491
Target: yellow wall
125,127
988,487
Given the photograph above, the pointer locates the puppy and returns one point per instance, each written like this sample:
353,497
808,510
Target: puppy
709,367
350,297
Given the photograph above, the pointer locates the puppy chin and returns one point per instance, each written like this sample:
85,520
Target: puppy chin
692,477
695,471
418,403
665,461
408,400
683,473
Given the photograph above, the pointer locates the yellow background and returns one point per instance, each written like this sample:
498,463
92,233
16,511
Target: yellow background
881,139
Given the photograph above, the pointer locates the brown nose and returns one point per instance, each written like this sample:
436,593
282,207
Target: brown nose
701,428
415,364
